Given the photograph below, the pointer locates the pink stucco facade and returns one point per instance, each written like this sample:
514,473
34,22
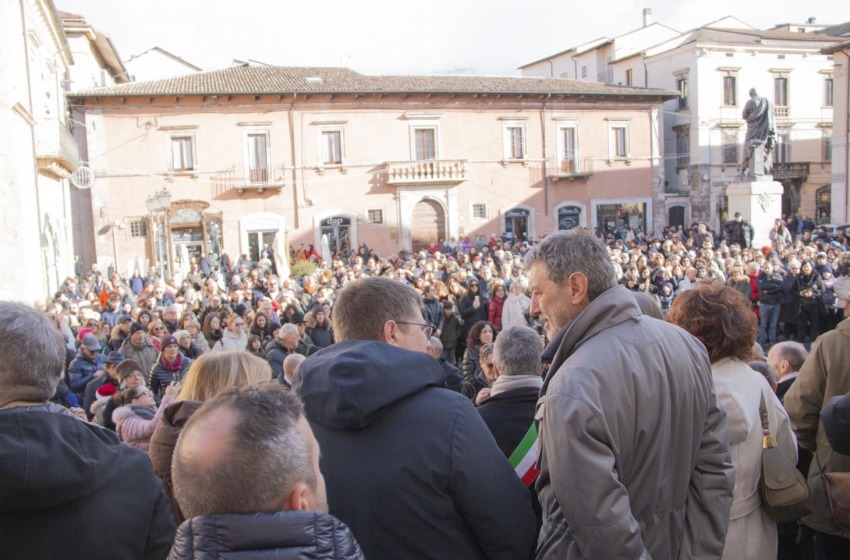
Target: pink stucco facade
392,170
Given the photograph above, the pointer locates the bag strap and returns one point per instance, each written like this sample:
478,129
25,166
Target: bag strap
768,440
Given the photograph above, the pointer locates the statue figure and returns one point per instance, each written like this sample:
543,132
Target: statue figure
761,134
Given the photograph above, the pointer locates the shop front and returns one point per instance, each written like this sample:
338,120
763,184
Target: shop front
191,231
517,224
620,215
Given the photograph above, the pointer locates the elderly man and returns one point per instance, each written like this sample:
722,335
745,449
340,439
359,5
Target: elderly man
139,347
430,481
85,365
634,459
69,489
246,474
286,343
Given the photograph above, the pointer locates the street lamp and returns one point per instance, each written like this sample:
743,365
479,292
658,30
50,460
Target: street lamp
158,205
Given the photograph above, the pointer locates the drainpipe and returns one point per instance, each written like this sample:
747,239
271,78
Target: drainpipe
545,176
575,67
294,167
846,140
551,68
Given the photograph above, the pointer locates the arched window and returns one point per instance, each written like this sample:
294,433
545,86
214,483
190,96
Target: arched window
823,204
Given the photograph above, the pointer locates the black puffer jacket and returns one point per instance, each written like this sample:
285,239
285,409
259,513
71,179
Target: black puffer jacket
814,284
284,535
160,377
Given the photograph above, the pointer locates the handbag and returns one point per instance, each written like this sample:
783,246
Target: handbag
784,490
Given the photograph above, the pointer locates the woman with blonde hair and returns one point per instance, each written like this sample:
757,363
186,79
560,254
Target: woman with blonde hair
156,330
210,374
235,337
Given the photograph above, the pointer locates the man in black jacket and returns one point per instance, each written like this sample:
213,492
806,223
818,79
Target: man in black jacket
770,299
66,481
509,411
246,474
739,230
410,466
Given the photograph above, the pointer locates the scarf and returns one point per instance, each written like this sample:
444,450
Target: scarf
507,383
174,366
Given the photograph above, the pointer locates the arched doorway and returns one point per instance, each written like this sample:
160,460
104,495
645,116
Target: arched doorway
428,224
516,224
569,217
823,204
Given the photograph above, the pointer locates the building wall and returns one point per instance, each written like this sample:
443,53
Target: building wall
35,215
133,140
840,137
154,65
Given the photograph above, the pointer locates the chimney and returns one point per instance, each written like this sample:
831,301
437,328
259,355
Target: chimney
812,20
647,16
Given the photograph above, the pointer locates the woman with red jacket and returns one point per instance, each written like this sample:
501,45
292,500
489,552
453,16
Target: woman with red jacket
497,303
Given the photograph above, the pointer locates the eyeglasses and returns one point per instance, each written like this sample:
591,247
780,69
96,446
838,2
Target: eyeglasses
238,324
427,330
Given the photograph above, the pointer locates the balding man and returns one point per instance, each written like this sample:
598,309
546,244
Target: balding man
290,367
786,359
246,474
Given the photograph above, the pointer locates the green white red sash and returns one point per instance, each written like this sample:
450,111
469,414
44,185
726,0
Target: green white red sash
524,457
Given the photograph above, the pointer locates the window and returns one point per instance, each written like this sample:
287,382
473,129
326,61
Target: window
780,92
424,144
138,228
479,211
331,146
257,156
683,146
629,77
514,141
569,154
375,216
782,152
584,70
730,146
682,86
827,92
181,152
826,146
619,147
730,91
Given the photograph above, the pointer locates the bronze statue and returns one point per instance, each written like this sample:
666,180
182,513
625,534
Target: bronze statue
761,135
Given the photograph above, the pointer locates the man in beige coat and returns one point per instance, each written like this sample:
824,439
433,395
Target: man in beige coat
825,374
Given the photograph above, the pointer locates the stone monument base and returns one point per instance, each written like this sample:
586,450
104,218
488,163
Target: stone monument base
759,202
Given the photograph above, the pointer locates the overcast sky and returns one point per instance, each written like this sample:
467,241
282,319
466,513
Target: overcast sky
404,37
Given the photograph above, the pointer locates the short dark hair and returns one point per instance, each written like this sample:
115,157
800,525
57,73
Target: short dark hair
267,456
30,375
720,317
794,352
364,306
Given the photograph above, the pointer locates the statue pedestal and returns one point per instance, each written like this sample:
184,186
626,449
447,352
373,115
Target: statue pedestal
760,203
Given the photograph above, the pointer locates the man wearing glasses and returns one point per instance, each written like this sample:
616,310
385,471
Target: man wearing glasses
410,466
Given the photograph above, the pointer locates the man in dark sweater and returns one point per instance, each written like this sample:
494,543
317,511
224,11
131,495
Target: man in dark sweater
509,411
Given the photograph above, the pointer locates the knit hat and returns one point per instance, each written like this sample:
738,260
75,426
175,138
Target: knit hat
115,358
136,327
447,305
180,334
106,390
167,341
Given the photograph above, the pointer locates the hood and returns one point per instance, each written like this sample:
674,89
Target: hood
178,414
348,385
230,335
49,459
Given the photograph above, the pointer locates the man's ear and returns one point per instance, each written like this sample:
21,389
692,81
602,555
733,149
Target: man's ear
390,333
300,499
578,285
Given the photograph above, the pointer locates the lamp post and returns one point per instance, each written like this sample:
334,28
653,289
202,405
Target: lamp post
158,205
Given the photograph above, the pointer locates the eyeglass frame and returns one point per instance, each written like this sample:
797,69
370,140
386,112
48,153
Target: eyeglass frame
427,329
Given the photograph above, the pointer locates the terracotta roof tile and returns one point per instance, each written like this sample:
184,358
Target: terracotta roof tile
282,80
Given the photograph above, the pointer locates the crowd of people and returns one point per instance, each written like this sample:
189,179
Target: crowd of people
462,396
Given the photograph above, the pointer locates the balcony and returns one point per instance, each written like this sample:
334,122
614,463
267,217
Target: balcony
781,111
797,170
429,172
56,149
568,170
250,179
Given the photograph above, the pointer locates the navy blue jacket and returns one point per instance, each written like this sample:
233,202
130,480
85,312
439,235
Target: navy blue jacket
836,423
770,288
410,466
81,371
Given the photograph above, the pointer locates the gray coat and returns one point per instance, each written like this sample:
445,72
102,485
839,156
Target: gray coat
634,454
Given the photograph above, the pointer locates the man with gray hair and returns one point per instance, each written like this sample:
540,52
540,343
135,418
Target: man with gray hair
246,474
66,483
634,454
